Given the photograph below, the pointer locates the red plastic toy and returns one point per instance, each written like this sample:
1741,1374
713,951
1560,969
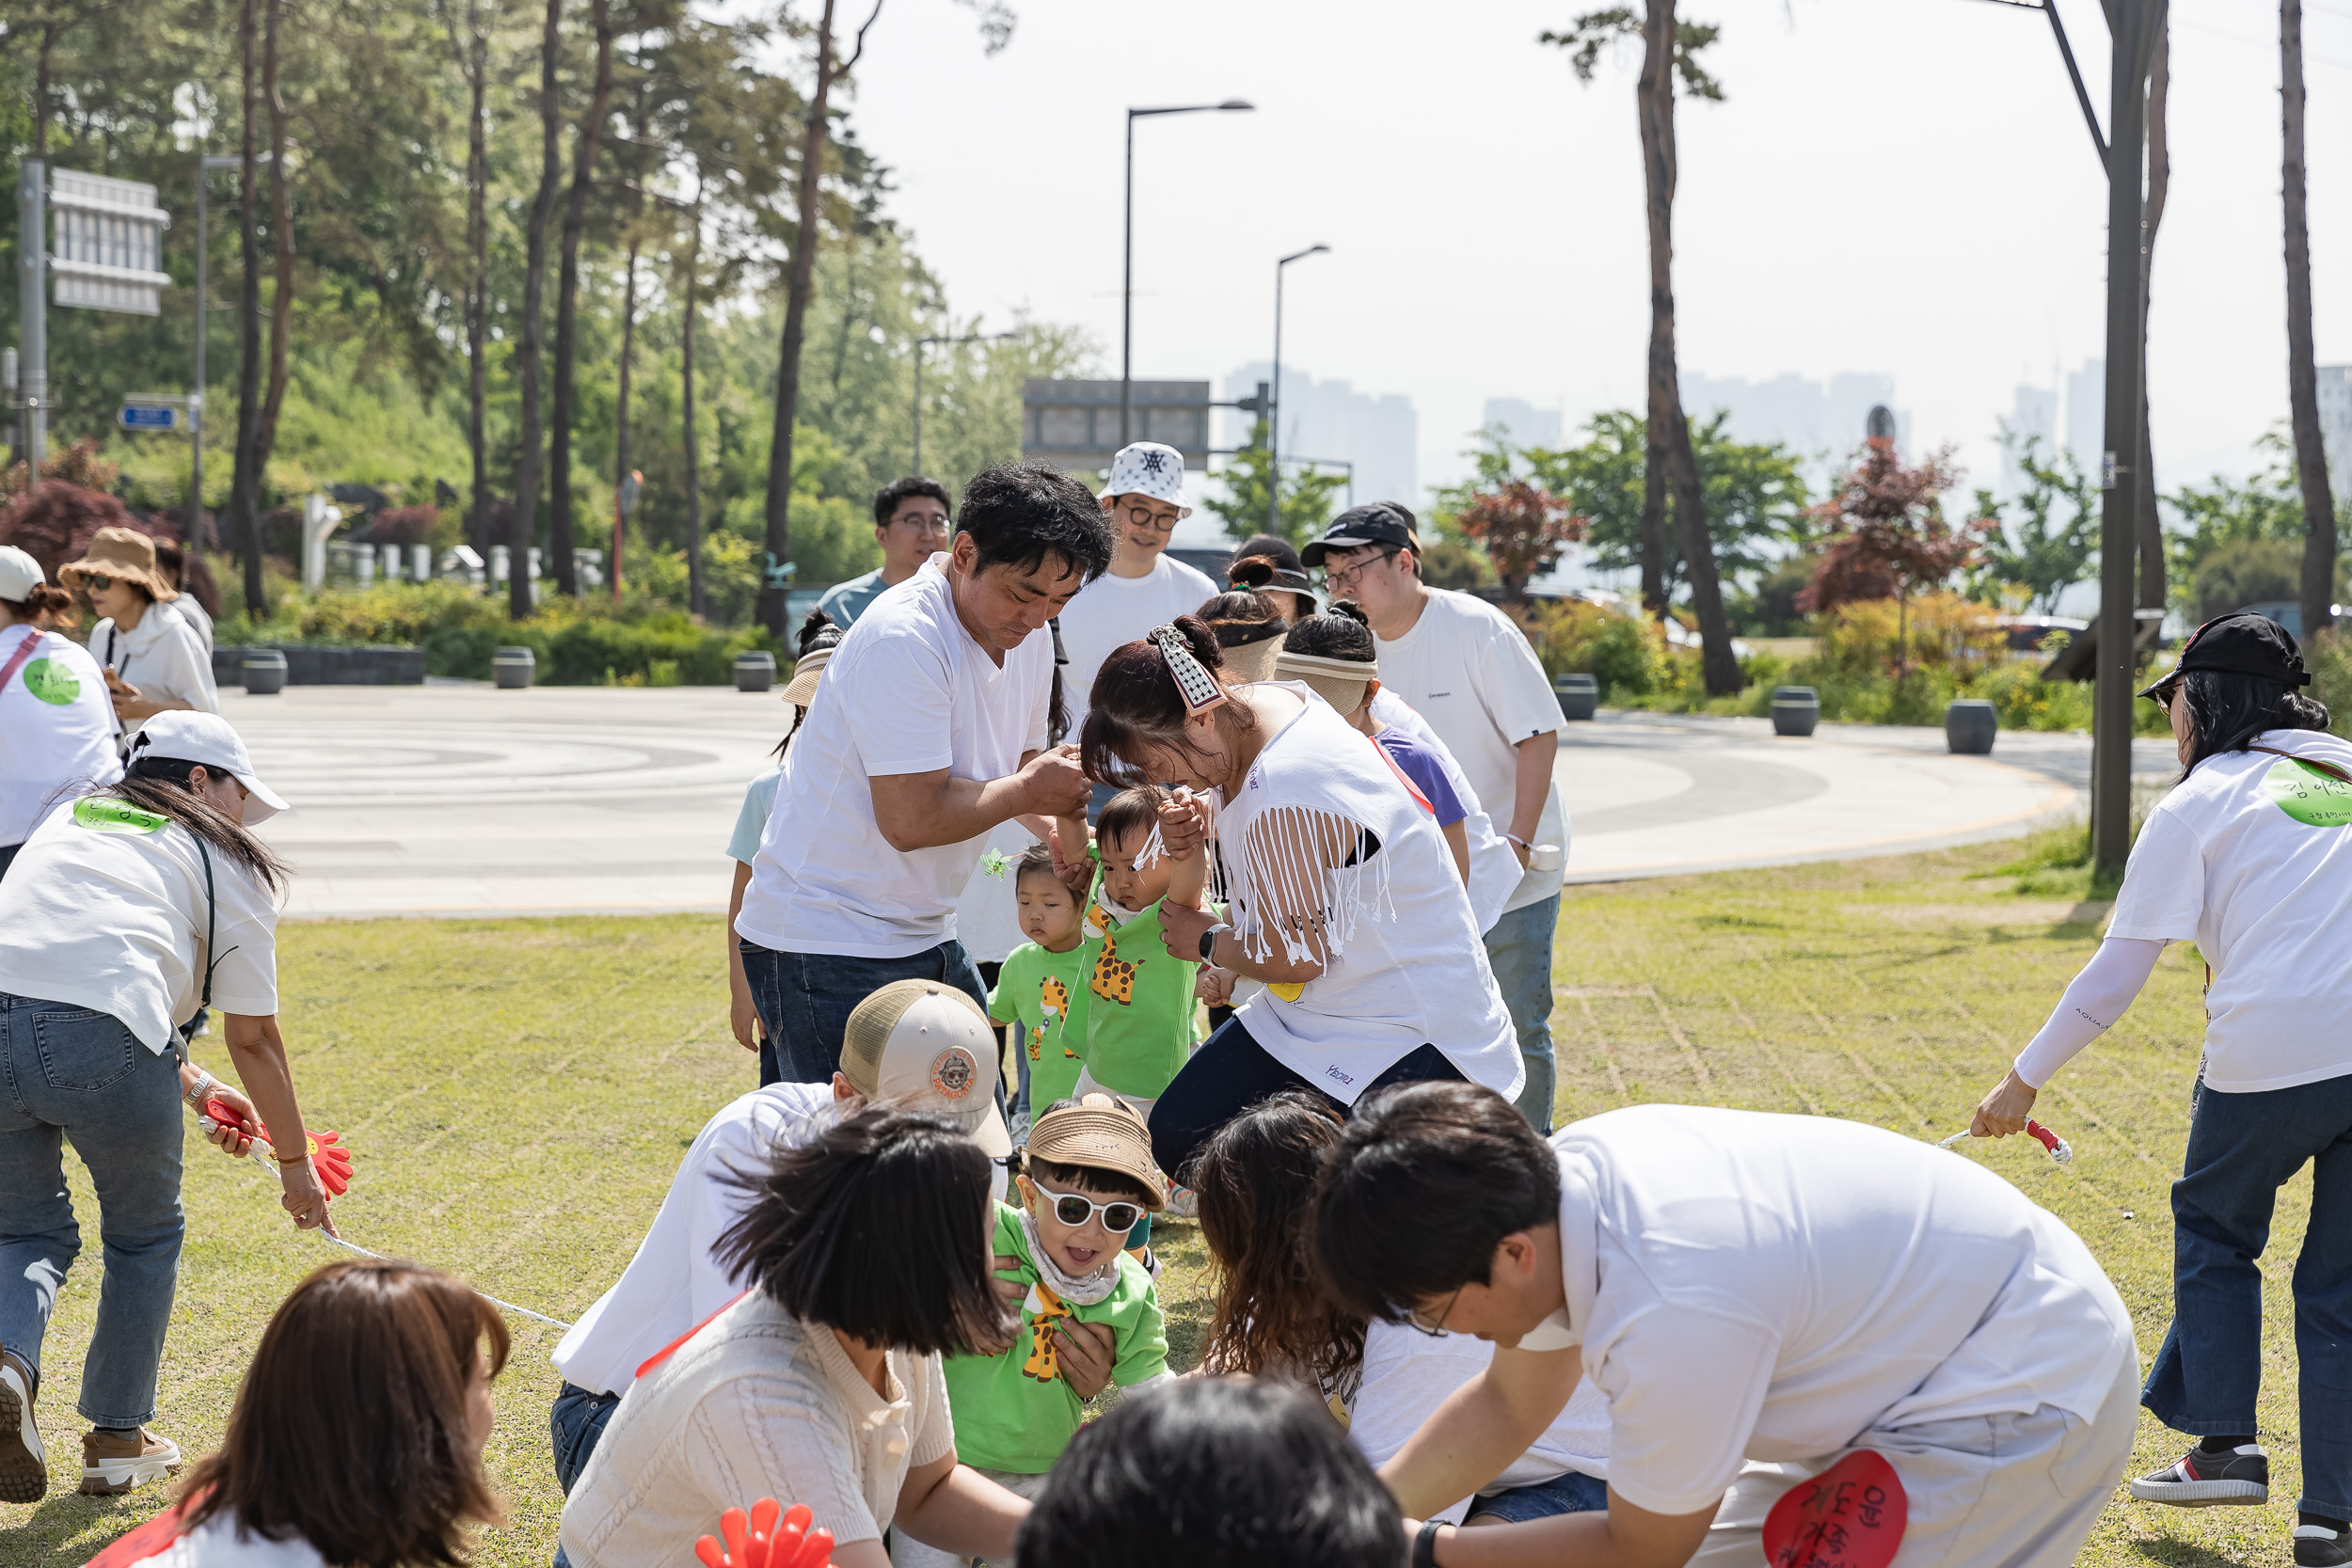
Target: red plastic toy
1850,1515
328,1155
764,1539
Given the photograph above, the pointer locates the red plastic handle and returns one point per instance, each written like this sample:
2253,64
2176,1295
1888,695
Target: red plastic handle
2043,1136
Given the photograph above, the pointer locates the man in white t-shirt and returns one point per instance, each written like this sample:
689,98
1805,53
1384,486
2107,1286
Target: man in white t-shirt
1754,1295
1466,669
1144,587
928,730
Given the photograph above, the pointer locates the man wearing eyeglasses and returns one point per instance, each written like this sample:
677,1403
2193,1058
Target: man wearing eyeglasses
1465,667
1145,586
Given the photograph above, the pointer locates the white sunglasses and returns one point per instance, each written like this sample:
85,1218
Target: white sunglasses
1119,1216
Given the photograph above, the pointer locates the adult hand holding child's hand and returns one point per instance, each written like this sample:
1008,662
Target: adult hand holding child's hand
1184,824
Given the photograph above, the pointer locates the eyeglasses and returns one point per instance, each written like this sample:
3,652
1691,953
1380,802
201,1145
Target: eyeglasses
1140,516
96,582
1075,1209
1337,580
1433,1324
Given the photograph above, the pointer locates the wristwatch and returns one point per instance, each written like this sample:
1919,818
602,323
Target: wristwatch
1425,1544
1208,941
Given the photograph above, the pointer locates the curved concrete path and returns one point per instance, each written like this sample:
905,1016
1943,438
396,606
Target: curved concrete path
457,799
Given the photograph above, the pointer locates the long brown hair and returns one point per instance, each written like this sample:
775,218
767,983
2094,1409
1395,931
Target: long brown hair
1256,1183
162,785
350,1431
1135,704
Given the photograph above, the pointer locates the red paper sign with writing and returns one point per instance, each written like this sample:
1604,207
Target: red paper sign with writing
1850,1515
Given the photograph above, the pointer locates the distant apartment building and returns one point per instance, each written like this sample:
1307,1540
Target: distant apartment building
2335,427
2087,416
1379,435
2033,415
1824,422
1521,422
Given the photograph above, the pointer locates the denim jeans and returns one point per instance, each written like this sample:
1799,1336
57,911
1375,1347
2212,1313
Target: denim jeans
73,1073
2242,1148
577,1423
1518,950
806,999
1570,1491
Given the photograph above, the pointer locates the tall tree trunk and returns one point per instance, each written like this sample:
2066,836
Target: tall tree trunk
2311,457
620,415
244,484
799,282
1653,537
473,58
696,603
281,244
529,351
2151,566
1656,96
567,310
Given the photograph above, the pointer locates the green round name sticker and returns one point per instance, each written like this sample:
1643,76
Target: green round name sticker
103,815
2309,796
52,682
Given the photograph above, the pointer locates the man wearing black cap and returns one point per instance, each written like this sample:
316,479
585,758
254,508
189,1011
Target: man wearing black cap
2250,858
1468,669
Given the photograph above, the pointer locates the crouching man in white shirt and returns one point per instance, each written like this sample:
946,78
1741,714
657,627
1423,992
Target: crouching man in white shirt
1755,1296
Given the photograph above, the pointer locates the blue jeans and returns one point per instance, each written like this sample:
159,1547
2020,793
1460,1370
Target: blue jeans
2242,1148
577,1423
1570,1491
1518,950
72,1073
806,999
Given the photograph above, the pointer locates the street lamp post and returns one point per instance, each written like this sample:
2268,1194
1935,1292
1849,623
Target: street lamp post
1274,409
1127,276
919,342
194,541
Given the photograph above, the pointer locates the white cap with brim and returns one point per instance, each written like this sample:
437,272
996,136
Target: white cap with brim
208,738
19,573
927,1047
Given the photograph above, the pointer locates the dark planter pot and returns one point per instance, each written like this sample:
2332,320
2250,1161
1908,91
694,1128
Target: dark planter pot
754,670
1580,695
511,669
1969,726
1796,709
264,670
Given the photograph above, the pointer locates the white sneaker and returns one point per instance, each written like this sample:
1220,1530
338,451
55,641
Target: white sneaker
23,1465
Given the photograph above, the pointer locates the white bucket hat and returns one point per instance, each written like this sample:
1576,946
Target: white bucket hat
1150,468
207,738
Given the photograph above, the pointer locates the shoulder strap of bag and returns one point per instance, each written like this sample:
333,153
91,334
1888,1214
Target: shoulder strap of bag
24,651
2314,763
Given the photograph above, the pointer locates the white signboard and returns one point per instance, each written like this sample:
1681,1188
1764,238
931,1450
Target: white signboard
108,244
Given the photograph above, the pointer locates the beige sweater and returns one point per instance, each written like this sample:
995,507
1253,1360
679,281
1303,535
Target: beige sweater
758,1405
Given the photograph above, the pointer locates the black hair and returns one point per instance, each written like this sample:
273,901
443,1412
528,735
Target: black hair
1133,810
1274,547
1241,616
815,632
1341,632
166,786
1037,860
1427,1180
1100,1180
2229,711
1213,1473
875,1226
892,496
1018,513
1134,701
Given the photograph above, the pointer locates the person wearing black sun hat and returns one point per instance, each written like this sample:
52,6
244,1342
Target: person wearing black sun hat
2249,857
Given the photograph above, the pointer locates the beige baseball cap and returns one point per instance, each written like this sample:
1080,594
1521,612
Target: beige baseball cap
923,1045
1100,1132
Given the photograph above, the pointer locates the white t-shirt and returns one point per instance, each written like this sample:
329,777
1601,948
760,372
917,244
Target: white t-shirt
1404,966
214,1544
673,1282
1111,611
1751,1286
163,656
1469,672
907,692
1495,872
2250,858
106,909
56,729
1407,1374
988,914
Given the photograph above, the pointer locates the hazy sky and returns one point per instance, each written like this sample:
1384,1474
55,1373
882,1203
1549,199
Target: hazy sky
1900,186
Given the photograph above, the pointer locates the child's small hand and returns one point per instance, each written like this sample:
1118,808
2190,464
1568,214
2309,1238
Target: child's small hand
1214,986
1184,824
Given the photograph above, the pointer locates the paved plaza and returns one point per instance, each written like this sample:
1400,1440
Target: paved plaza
453,798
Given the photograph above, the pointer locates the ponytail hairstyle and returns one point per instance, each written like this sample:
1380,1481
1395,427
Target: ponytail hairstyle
166,786
817,632
1241,616
1339,632
1135,704
44,605
2229,711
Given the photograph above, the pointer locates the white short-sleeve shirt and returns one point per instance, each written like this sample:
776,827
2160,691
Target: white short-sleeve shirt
57,728
1470,672
1749,1286
907,692
2251,859
108,910
1112,612
1495,872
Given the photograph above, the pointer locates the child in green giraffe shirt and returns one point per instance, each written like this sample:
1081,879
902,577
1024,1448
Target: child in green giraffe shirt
1135,1013
1035,987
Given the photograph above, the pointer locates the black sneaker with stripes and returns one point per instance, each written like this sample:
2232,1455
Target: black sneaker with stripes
2317,1547
2239,1478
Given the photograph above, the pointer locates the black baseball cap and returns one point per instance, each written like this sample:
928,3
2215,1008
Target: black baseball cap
2240,644
1377,523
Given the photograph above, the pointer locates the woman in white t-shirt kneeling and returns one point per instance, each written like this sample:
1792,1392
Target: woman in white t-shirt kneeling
2250,858
356,1436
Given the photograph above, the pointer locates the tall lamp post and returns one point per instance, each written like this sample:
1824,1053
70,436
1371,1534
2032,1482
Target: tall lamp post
1127,276
2136,24
205,165
1273,408
919,344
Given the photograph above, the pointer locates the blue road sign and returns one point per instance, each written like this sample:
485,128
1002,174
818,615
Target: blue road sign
148,416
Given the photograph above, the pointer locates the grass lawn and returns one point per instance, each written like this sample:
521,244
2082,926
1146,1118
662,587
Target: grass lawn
517,1093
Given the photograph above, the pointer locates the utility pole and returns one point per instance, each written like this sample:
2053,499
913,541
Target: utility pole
32,284
1127,275
1274,406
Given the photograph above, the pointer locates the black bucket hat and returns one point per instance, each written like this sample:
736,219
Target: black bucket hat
2239,644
